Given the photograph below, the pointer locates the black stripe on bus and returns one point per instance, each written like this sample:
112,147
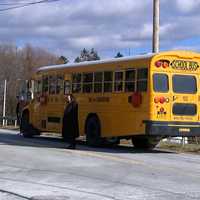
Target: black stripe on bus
54,119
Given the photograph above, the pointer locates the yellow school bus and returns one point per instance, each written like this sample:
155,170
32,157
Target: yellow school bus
143,98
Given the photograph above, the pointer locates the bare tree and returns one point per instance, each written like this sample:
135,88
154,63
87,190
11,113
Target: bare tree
17,64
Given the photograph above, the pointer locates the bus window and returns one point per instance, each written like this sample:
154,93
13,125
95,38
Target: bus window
184,109
67,87
108,81
52,84
87,82
59,84
142,75
184,84
130,81
37,86
45,84
119,81
76,82
160,83
98,81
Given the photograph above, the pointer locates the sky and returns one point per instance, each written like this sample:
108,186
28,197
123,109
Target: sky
65,27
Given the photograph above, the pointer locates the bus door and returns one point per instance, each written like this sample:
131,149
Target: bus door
184,97
55,102
38,101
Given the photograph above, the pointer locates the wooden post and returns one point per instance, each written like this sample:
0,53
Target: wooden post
4,102
156,25
15,123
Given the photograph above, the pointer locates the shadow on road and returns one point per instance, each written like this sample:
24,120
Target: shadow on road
55,142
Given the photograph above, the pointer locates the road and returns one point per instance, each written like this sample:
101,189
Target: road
42,169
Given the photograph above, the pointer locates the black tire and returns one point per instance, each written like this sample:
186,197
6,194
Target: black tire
93,132
112,141
145,142
26,128
24,123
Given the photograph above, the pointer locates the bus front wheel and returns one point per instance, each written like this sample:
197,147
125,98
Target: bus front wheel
24,125
93,132
26,128
144,142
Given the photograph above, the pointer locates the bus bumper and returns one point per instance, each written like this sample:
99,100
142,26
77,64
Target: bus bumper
174,129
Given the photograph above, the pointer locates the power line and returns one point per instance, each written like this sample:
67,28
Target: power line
13,4
7,2
22,5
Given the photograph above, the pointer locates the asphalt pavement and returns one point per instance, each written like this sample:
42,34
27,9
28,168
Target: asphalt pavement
43,169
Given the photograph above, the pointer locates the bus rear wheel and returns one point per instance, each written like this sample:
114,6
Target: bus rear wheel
112,141
145,142
93,132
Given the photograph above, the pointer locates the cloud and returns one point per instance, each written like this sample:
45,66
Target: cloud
66,26
186,6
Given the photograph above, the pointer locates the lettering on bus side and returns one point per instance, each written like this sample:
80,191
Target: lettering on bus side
99,99
184,65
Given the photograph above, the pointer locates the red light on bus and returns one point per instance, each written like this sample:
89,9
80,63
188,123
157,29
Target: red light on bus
165,64
162,109
158,64
162,100
162,63
156,100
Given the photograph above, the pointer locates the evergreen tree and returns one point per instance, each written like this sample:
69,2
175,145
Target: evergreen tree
94,55
119,55
62,60
86,55
77,60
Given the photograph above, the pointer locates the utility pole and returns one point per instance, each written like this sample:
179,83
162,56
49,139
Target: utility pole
4,102
156,25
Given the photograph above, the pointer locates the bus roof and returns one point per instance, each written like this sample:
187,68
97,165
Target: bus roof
179,53
89,63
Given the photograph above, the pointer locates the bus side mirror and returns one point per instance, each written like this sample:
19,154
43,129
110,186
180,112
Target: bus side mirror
29,95
30,90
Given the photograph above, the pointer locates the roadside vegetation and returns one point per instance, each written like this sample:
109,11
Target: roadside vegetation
18,63
192,145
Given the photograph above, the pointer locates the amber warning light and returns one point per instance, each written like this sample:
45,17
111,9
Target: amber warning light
162,64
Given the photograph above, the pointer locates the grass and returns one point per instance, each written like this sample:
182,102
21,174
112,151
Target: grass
191,148
10,127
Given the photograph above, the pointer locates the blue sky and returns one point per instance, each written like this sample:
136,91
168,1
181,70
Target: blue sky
65,27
